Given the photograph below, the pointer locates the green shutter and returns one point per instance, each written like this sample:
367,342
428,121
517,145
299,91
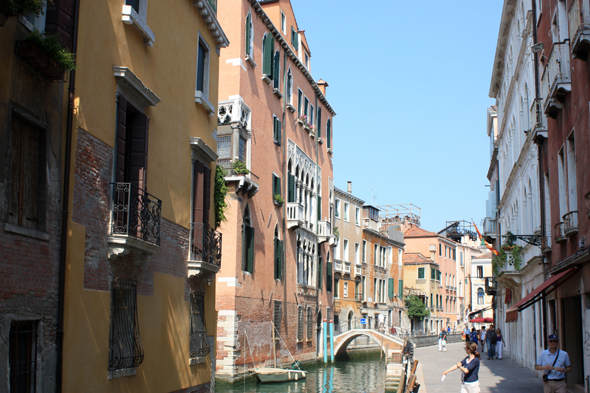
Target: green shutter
319,127
281,258
277,70
272,58
329,133
244,248
279,136
319,208
248,32
329,276
276,257
319,272
267,59
432,273
401,288
250,252
279,186
291,188
274,128
391,289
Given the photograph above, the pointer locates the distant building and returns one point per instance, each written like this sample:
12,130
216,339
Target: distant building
481,269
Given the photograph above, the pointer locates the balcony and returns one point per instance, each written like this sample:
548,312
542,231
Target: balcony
338,266
537,119
490,227
324,231
358,270
295,215
556,81
248,182
579,25
570,223
347,268
358,296
558,233
135,222
204,250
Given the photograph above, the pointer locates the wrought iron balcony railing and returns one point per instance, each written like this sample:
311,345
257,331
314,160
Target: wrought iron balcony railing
358,296
558,233
205,244
135,213
570,223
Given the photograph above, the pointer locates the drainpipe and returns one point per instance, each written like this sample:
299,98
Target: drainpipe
285,187
539,141
65,213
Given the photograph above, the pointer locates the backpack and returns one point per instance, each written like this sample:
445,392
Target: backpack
493,337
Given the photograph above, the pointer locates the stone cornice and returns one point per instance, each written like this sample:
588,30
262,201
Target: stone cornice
278,36
503,35
210,19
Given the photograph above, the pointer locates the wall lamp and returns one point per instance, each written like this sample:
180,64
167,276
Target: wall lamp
538,47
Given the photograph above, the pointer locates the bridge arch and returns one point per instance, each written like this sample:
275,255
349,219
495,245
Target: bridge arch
385,341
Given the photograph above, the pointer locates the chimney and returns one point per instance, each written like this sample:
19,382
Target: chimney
349,189
432,252
322,84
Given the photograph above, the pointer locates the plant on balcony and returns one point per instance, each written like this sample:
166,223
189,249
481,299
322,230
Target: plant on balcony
416,308
219,195
335,232
239,168
20,7
302,119
52,45
510,252
278,199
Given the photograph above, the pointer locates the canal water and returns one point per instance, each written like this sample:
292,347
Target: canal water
358,376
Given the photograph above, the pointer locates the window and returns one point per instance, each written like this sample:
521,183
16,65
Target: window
390,255
198,333
320,264
375,257
276,317
432,273
22,356
440,250
276,185
201,201
461,258
345,247
337,209
299,102
276,73
479,271
37,21
446,251
300,323
26,207
276,130
357,291
247,243
480,299
438,274
364,284
329,276
309,323
278,255
268,50
364,251
306,107
135,13
420,273
202,85
454,254
311,114
289,90
336,288
400,257
319,127
224,147
283,23
346,211
357,257
249,35
125,348
390,287
571,174
357,216
337,251
345,290
329,133
294,39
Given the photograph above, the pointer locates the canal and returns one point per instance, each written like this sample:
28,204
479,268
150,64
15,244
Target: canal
363,375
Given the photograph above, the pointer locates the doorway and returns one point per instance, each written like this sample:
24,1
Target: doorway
572,339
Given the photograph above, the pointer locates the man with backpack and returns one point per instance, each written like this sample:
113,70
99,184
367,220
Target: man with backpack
491,339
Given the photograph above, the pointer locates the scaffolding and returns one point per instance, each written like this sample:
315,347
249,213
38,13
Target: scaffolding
455,230
400,215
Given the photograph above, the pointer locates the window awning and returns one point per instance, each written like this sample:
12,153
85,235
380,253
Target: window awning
541,291
471,314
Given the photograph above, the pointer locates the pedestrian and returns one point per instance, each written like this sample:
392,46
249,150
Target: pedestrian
440,339
491,340
469,370
466,334
381,320
499,344
448,328
482,339
474,336
557,363
444,340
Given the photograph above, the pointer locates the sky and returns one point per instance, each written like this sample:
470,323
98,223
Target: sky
409,82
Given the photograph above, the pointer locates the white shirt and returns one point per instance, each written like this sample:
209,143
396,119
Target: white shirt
547,358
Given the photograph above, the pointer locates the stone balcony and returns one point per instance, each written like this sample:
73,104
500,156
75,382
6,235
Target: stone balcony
570,223
324,231
556,80
295,215
204,250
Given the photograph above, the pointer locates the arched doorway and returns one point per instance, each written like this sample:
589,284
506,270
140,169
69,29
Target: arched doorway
350,316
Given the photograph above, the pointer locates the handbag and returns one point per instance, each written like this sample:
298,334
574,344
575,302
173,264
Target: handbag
546,376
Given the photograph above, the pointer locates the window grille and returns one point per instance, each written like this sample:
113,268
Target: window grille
23,356
198,333
125,348
309,323
299,323
278,307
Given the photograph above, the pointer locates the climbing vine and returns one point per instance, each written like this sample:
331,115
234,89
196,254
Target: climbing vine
510,253
219,196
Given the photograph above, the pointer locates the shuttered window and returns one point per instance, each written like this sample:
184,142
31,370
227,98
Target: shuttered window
276,185
249,35
268,49
277,130
247,244
300,323
290,187
329,276
309,323
320,271
201,59
319,208
390,287
319,127
329,133
276,72
432,273
420,273
401,288
278,258
277,311
294,39
132,144
299,102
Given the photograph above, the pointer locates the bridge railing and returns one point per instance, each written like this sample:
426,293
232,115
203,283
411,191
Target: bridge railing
355,323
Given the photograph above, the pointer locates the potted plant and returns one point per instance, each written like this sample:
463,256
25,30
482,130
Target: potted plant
46,53
510,252
12,8
302,119
278,200
239,167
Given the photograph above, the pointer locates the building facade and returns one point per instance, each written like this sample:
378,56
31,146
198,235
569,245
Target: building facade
275,142
481,268
142,247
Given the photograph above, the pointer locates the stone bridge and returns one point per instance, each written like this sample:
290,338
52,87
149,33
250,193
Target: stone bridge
387,342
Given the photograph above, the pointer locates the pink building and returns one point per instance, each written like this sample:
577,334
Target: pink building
275,141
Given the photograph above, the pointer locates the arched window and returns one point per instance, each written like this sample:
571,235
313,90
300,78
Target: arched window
319,127
479,295
289,89
276,73
247,242
249,35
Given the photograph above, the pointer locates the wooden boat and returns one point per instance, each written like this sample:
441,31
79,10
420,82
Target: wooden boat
270,374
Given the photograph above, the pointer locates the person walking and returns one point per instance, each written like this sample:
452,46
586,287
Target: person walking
491,342
444,340
482,339
474,336
467,334
555,363
469,368
499,344
440,339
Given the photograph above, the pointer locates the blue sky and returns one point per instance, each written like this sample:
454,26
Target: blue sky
409,82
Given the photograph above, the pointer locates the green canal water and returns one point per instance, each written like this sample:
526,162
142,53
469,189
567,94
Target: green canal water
358,376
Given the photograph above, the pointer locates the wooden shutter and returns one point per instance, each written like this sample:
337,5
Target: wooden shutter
319,127
329,133
138,151
401,288
248,32
278,190
390,289
319,272
268,55
198,192
279,136
329,277
244,248
121,138
291,187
